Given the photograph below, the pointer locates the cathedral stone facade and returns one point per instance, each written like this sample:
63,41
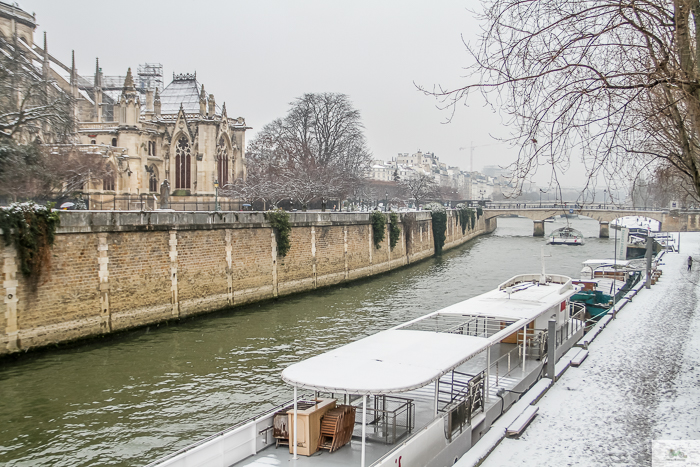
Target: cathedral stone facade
153,139
179,135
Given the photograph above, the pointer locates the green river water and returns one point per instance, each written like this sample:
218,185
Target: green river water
135,397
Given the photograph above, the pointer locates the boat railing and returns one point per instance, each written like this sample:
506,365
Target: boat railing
388,418
463,400
505,365
575,323
254,433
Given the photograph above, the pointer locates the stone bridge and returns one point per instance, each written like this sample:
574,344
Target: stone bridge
669,220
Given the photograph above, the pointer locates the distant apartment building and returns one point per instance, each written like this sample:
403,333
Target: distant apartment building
492,183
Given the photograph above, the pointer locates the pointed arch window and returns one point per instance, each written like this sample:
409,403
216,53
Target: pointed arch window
108,179
183,159
222,162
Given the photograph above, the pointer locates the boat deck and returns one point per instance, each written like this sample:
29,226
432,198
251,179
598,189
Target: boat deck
424,400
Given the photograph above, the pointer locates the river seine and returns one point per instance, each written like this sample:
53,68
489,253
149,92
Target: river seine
133,398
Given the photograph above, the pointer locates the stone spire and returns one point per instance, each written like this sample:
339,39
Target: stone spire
202,102
73,76
129,86
98,91
129,103
156,104
98,74
46,67
212,106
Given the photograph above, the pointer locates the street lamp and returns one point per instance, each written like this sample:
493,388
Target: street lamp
482,193
216,198
605,192
386,200
541,196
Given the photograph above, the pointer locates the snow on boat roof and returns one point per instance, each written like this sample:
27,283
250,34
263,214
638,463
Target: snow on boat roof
413,355
387,362
526,300
601,262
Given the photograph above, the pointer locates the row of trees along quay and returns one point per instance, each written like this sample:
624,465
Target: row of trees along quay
614,82
318,152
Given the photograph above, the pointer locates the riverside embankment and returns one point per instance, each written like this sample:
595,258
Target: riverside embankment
113,271
639,384
141,395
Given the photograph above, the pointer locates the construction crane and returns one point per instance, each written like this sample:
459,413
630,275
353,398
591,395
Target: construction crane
471,152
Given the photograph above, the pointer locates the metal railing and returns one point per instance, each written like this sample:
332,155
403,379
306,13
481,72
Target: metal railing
388,418
467,325
503,367
567,206
576,322
466,399
151,201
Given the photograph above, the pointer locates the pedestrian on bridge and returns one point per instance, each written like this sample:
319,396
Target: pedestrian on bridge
690,263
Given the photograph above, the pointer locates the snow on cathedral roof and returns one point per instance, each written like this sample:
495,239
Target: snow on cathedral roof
184,89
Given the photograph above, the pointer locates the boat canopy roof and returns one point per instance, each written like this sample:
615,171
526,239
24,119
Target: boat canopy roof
566,230
416,353
595,263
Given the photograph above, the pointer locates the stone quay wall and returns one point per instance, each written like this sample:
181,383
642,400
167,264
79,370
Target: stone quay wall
112,271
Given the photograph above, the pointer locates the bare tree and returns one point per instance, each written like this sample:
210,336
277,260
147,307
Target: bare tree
35,110
615,82
31,106
317,150
35,171
420,187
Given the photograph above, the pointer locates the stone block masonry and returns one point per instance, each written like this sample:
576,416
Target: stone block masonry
113,271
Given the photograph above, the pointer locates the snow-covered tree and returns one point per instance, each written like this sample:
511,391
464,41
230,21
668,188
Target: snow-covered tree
317,151
614,82
37,157
31,105
420,187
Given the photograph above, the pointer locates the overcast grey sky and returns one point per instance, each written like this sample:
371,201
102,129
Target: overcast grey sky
257,56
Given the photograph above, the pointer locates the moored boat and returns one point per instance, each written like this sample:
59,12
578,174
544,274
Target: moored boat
422,392
603,283
565,236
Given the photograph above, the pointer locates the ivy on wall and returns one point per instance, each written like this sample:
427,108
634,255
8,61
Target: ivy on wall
279,220
467,217
31,229
394,230
439,218
378,220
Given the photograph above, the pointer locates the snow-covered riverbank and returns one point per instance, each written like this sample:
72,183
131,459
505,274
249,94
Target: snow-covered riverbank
641,382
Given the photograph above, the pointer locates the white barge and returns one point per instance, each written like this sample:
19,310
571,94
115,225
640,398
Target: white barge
419,394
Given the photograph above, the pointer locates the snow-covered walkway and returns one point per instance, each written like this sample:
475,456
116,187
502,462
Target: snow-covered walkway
641,382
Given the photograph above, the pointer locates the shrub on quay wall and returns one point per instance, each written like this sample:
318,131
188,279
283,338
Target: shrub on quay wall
279,220
439,218
394,230
378,220
31,229
466,216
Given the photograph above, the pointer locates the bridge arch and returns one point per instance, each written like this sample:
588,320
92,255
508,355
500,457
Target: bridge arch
538,214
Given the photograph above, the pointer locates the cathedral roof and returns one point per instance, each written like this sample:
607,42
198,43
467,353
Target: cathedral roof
184,89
